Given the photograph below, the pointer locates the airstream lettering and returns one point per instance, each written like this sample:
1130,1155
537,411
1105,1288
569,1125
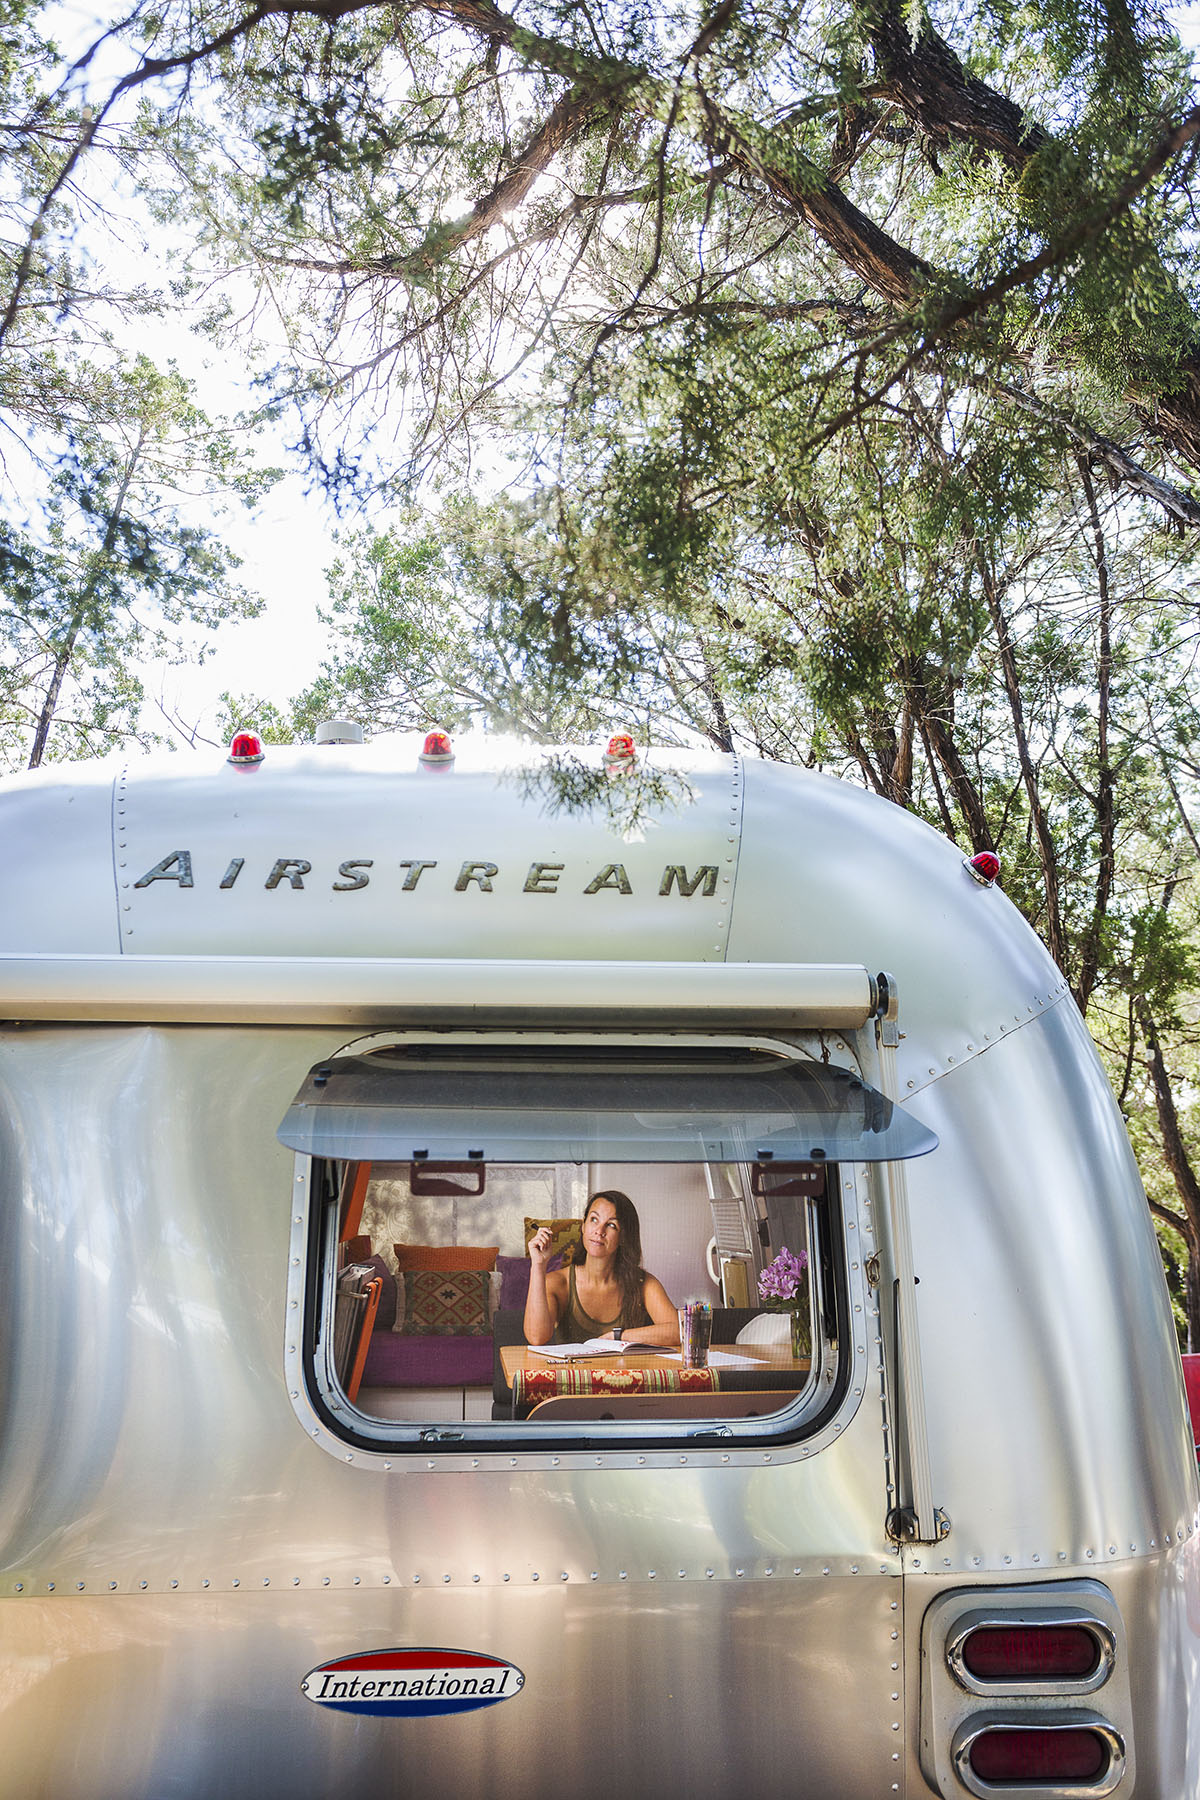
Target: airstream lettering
540,877
927,1520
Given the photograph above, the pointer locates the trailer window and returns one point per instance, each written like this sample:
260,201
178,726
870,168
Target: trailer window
429,1173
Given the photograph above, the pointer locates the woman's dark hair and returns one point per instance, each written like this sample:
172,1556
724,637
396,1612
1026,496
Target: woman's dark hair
628,1266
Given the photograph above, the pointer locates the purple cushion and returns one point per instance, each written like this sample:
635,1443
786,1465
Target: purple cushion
514,1279
396,1361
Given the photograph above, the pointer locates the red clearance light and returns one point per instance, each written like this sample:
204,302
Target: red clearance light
438,749
983,868
1031,1653
620,749
1027,1753
246,749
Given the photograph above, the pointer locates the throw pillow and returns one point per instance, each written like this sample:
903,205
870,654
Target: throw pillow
766,1328
564,1235
445,1256
447,1302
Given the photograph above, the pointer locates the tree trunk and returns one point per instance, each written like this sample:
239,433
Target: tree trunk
858,750
62,661
940,739
926,80
1055,935
949,824
1175,1155
1106,862
719,732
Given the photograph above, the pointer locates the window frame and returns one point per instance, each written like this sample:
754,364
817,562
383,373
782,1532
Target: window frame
840,1294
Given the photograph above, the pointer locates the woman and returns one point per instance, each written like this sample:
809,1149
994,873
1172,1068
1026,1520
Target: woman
605,1292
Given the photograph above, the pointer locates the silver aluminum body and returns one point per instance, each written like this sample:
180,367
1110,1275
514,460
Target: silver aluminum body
182,1540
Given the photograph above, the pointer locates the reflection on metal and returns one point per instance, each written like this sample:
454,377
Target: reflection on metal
626,794
360,991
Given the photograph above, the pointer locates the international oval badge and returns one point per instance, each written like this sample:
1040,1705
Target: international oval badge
412,1684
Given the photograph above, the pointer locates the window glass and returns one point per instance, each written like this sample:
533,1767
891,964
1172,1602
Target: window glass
427,1319
409,1106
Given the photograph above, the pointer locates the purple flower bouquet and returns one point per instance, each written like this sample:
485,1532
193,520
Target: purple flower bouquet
782,1287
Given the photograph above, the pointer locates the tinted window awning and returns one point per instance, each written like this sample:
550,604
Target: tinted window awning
559,1107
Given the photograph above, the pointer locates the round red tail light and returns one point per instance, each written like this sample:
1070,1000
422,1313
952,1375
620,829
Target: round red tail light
1031,1653
1027,1753
246,748
983,868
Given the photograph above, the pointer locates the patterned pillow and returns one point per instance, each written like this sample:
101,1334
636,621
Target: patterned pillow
564,1234
447,1302
445,1256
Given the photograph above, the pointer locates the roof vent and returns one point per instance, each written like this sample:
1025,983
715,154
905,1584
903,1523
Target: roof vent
338,731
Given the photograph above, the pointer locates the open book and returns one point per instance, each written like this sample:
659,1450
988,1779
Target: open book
717,1359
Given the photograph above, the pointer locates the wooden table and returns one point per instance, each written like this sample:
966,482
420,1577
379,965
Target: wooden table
642,1383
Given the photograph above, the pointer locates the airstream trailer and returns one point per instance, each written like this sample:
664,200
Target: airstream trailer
300,1049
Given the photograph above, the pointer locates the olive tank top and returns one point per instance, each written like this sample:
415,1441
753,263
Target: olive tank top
576,1325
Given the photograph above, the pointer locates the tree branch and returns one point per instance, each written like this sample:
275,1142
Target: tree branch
926,80
1175,501
1176,1221
575,114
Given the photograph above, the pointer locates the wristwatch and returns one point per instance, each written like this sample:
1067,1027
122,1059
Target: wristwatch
617,1330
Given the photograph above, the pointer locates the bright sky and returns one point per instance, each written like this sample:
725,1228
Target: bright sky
285,546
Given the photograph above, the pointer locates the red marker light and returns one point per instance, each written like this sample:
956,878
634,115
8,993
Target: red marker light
246,749
620,750
1017,1756
1007,1653
438,749
983,868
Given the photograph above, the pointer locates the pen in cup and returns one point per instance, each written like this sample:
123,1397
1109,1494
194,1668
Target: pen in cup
695,1333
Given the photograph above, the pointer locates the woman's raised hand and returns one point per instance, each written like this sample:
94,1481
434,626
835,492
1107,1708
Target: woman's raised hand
539,1247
